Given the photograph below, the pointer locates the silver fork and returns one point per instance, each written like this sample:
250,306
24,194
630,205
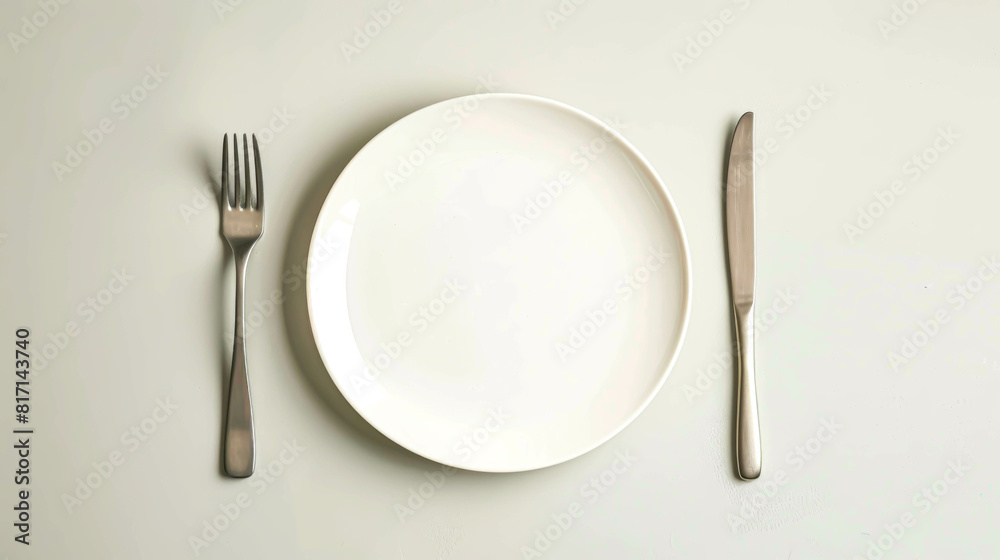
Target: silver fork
242,226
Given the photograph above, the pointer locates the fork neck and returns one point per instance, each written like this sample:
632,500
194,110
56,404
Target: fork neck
242,255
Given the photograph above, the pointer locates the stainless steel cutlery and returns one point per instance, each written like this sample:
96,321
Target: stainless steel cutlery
742,272
242,225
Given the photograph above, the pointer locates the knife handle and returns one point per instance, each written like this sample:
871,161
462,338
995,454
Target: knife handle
748,455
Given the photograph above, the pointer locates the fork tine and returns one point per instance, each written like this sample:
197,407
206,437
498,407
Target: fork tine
236,173
225,171
246,174
258,174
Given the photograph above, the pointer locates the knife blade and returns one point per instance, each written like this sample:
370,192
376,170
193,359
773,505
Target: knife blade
742,275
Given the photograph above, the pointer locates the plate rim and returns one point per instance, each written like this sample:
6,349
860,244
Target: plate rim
678,225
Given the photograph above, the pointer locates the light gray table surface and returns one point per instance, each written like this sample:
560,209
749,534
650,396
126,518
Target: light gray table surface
878,278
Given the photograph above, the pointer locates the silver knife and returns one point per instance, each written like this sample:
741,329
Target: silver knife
742,271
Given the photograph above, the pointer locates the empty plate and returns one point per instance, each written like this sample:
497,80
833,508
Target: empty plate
499,282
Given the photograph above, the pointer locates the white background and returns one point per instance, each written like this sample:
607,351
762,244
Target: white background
142,201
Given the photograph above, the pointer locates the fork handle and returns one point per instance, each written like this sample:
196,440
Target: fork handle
748,453
239,445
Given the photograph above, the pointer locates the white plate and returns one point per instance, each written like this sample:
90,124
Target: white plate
499,282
